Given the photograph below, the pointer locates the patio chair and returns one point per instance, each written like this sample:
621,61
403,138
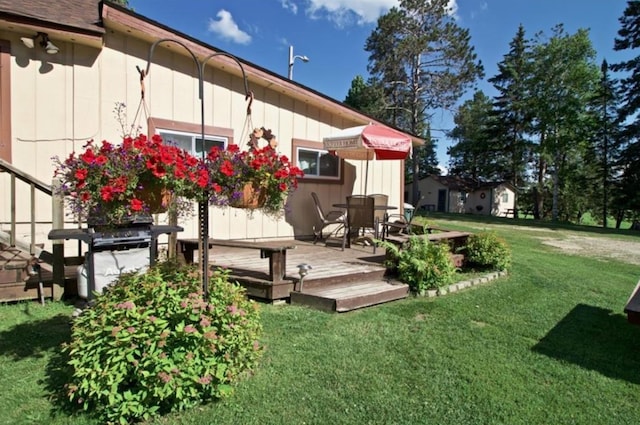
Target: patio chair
380,202
400,223
360,215
328,219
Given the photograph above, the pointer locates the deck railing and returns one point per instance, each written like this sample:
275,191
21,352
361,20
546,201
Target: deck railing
35,185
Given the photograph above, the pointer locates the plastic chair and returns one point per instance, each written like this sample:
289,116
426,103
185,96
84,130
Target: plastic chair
360,215
330,218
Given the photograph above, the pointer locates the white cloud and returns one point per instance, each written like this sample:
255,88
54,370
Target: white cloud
347,12
226,28
289,5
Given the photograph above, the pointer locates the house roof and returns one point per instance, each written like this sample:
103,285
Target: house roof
91,17
78,15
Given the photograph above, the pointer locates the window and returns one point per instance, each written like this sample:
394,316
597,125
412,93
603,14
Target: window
317,163
189,136
505,198
192,143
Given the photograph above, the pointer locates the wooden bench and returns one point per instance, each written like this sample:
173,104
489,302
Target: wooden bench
632,308
512,213
276,252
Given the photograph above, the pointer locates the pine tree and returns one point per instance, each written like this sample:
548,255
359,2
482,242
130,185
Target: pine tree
425,62
511,110
629,164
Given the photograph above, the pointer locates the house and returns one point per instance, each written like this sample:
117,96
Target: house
66,65
464,195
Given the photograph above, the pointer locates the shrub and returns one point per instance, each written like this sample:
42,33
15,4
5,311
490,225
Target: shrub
150,344
421,264
487,250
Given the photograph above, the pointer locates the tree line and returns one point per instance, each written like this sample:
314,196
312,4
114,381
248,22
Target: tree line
562,128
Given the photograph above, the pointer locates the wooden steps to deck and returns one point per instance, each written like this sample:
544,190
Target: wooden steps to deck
338,281
342,297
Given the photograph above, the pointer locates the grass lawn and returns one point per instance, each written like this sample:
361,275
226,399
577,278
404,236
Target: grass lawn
549,344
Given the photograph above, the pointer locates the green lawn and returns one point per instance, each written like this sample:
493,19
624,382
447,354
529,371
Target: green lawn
547,345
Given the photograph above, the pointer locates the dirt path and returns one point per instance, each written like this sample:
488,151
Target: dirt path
589,246
600,247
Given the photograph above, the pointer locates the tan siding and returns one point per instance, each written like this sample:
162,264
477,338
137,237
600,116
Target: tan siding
69,98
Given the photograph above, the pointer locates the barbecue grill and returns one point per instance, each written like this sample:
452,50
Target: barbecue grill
114,251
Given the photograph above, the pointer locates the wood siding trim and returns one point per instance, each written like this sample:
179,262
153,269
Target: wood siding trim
154,123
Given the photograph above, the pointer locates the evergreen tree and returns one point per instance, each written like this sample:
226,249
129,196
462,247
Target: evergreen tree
629,164
511,110
563,79
473,155
424,60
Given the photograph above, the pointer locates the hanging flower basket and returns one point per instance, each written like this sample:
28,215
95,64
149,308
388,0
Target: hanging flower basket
156,198
252,197
116,184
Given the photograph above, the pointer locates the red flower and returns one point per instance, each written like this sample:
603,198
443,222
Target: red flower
136,204
101,160
81,173
227,168
106,193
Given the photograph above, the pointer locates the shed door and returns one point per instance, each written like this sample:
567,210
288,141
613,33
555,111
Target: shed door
442,200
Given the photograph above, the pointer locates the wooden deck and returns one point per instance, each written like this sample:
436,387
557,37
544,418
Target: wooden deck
338,280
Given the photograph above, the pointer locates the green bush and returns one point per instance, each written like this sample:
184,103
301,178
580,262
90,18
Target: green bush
421,264
150,344
488,251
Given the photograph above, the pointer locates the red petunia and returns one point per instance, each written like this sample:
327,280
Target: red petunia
136,205
81,174
106,193
227,168
101,160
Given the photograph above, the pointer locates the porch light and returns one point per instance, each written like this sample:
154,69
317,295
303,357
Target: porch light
45,43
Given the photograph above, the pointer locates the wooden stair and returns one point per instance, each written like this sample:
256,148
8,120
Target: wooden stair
19,281
350,293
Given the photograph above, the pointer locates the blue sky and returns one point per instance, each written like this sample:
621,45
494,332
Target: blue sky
332,34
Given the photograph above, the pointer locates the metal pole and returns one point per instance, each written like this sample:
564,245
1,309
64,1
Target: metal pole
290,62
203,204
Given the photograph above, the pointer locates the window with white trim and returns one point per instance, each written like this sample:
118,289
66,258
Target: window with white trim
505,197
192,142
318,163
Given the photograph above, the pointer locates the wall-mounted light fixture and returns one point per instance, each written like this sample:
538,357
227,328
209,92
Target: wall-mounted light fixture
43,41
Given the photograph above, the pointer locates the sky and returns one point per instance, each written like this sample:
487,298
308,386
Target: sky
332,34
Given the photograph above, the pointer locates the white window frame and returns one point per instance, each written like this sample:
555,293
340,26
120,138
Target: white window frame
195,138
319,153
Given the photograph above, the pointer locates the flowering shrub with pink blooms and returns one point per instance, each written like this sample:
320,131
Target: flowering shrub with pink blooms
151,344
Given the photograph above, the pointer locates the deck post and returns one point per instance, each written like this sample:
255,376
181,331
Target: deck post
57,222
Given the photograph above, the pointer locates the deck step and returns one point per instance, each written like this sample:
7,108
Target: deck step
350,295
